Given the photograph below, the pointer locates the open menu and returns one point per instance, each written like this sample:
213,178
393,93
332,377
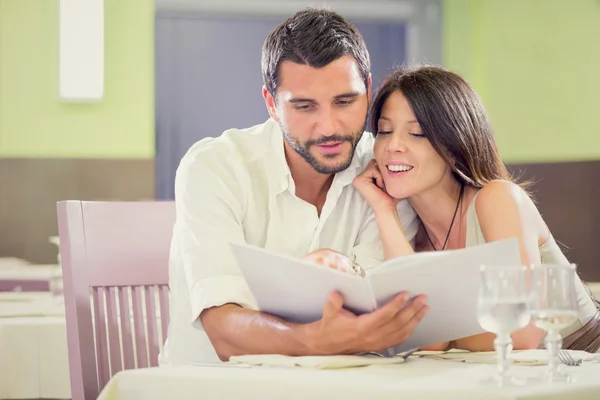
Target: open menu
296,289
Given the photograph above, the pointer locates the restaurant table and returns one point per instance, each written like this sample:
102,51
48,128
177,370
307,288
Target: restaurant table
33,347
419,378
20,276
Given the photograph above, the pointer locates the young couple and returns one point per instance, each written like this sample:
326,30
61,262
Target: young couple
310,182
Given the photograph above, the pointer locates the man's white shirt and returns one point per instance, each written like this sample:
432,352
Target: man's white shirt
238,188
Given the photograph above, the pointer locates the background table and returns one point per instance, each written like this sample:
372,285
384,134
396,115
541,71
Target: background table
33,347
18,275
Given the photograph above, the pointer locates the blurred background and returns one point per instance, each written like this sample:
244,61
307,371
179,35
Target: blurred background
175,71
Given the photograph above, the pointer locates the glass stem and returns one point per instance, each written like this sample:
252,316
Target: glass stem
503,347
553,343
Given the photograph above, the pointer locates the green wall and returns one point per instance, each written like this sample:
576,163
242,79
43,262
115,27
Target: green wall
33,120
536,65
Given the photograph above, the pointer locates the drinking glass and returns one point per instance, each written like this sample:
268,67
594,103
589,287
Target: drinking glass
553,308
503,307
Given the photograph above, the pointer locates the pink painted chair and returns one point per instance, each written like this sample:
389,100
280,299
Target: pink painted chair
115,265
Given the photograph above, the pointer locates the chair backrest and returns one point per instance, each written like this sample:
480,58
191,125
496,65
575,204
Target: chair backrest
114,257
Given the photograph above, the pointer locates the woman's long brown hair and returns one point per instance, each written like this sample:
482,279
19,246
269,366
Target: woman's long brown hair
453,119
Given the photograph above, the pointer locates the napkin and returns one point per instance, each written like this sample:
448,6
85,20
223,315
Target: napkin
318,362
518,357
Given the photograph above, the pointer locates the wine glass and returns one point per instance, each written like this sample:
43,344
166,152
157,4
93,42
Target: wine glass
553,308
503,307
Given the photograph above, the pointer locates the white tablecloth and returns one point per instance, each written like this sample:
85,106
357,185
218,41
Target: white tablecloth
22,271
10,261
417,379
33,347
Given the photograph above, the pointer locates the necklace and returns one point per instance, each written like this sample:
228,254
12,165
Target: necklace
462,187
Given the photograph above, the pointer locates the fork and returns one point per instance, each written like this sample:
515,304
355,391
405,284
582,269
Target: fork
404,355
409,353
566,358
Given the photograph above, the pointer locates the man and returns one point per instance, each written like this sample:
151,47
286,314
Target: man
285,185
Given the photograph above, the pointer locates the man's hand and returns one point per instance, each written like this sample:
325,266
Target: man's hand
234,330
341,332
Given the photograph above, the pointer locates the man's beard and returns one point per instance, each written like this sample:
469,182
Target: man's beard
303,149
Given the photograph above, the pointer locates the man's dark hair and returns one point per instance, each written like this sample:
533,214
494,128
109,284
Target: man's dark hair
314,37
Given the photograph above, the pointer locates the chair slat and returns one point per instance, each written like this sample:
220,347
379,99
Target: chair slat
164,310
100,330
126,333
140,331
112,321
151,323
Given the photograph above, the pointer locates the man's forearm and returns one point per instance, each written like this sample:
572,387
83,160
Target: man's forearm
234,330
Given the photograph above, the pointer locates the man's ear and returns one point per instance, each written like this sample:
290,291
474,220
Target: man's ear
270,103
369,88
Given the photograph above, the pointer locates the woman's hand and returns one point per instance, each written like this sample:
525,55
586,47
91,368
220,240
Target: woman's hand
331,259
370,185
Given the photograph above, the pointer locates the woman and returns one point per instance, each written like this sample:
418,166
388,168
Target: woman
434,146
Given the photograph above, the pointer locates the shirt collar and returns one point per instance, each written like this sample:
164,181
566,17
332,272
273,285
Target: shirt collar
279,172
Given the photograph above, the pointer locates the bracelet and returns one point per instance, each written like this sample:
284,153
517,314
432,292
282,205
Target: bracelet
357,268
